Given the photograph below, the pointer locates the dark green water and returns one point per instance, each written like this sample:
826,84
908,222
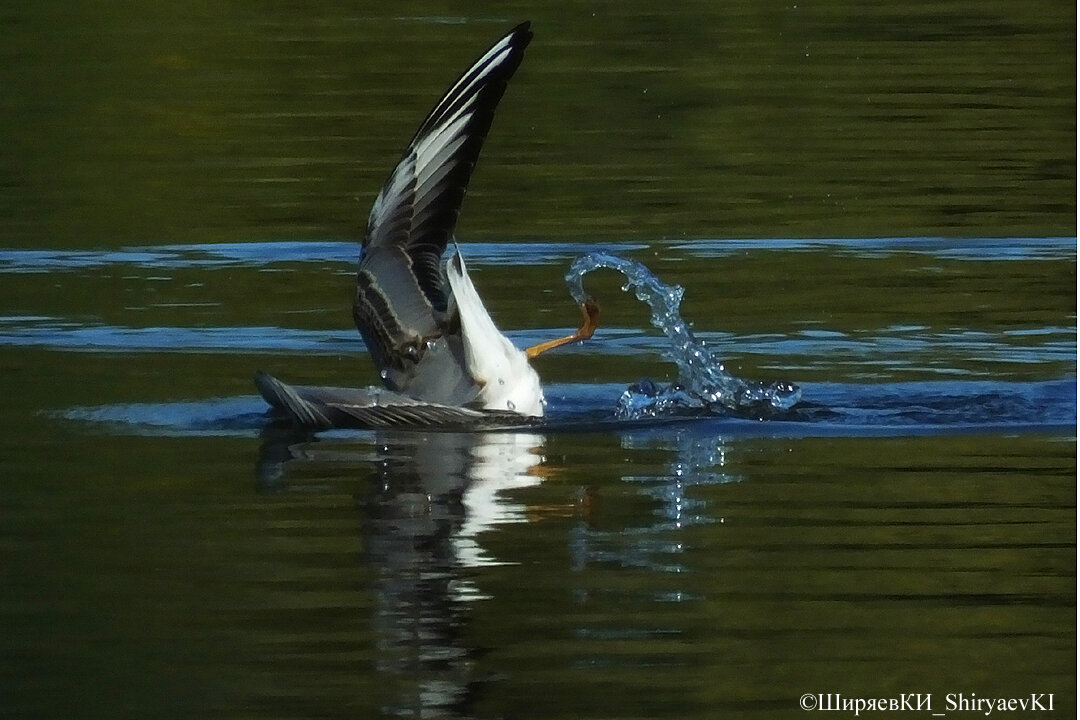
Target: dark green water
179,194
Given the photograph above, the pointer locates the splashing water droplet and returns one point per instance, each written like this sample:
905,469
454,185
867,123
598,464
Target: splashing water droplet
703,383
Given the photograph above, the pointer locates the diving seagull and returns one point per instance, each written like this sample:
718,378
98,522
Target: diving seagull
440,357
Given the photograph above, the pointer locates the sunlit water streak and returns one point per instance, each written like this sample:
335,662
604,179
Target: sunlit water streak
876,352
1050,248
261,254
258,254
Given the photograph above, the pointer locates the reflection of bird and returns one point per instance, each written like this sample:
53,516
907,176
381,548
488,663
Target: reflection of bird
438,351
431,498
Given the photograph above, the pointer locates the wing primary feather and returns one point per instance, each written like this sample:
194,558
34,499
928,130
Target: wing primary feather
418,207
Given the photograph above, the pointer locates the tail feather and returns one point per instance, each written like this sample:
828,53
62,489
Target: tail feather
286,398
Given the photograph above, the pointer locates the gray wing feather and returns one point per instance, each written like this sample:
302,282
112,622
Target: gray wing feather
400,309
440,376
373,407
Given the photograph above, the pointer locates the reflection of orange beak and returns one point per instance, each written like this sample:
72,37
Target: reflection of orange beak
544,472
582,507
590,314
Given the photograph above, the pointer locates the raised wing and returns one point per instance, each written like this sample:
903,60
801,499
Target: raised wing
401,295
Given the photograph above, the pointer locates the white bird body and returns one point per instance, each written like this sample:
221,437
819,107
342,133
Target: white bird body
507,381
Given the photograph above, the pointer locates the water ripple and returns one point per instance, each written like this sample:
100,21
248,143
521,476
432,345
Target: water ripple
982,249
828,409
260,254
872,353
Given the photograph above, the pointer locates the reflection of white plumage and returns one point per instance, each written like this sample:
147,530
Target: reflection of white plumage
437,349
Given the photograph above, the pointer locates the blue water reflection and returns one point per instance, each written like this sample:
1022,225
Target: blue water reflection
257,254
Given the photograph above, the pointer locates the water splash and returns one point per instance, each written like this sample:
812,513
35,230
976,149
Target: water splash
703,385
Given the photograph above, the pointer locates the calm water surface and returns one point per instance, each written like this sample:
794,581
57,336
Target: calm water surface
178,208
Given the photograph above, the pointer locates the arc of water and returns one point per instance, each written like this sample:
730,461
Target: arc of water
703,381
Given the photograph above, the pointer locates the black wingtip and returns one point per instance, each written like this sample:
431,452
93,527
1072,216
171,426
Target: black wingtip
522,35
524,29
